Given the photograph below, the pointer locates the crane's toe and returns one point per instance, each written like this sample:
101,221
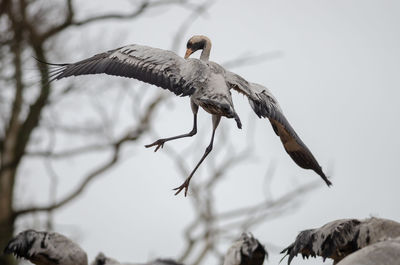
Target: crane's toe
159,143
185,186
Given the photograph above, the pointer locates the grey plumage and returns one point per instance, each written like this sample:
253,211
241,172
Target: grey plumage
50,248
386,252
207,83
247,250
337,239
46,248
265,105
151,65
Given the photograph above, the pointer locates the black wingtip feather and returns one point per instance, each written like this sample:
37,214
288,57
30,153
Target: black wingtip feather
7,249
47,63
324,177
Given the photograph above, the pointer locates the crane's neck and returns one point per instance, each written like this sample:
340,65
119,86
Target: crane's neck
205,54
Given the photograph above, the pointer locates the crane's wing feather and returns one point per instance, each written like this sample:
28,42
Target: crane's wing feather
151,65
339,238
265,105
333,240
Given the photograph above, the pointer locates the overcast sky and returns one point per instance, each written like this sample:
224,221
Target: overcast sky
337,81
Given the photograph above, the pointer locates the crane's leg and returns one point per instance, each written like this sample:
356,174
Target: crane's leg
160,142
215,121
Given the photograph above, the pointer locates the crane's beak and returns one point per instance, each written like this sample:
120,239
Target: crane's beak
188,53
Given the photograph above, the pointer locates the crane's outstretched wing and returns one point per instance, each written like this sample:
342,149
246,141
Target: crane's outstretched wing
46,248
151,65
339,238
265,105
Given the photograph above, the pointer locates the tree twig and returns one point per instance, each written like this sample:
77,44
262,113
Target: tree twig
130,136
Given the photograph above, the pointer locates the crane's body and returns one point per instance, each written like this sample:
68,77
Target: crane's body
386,252
206,83
46,248
340,238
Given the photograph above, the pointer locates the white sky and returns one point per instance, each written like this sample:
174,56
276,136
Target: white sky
338,84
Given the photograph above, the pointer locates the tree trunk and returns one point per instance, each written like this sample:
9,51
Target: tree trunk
6,213
9,161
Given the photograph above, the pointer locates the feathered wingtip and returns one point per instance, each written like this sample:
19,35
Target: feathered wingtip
302,244
47,63
253,248
54,68
17,247
324,177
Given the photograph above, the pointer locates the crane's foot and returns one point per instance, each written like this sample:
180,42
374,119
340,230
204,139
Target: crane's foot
159,143
185,186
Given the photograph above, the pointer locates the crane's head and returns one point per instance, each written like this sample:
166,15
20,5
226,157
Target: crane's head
198,42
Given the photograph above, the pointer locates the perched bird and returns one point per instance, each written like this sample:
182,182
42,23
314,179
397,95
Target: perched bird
246,251
338,239
206,83
44,248
386,252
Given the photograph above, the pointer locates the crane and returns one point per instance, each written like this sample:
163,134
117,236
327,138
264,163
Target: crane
247,250
51,248
340,238
46,248
206,83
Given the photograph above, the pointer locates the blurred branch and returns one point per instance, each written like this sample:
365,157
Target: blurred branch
74,129
230,162
72,152
251,59
35,110
4,5
69,19
133,135
187,23
269,204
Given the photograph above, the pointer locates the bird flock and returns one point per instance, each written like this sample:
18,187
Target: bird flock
50,248
208,85
370,241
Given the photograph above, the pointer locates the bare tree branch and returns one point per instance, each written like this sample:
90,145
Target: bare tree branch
251,59
28,30
187,23
69,20
130,136
269,204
